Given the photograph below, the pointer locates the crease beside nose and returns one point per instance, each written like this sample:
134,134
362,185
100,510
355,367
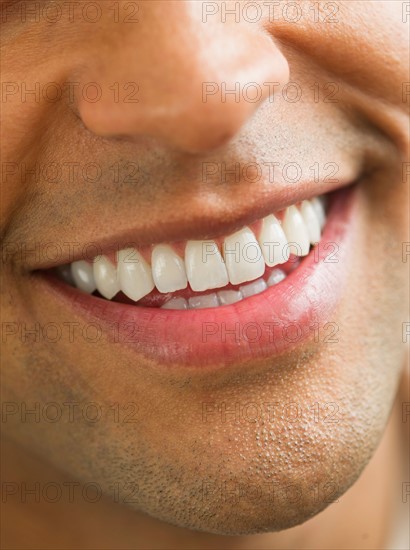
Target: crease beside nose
192,99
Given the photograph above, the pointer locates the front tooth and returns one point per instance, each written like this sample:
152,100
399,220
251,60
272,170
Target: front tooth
273,242
319,208
134,274
82,273
227,297
201,302
243,257
168,269
276,277
204,266
105,275
296,232
311,221
256,287
176,303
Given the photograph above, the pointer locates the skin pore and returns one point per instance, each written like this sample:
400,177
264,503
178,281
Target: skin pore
170,452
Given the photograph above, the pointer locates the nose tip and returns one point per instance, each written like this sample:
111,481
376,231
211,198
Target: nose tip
196,98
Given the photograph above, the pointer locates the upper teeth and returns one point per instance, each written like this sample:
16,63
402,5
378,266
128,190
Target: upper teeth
133,273
205,267
240,258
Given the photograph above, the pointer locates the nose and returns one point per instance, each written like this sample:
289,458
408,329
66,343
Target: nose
171,75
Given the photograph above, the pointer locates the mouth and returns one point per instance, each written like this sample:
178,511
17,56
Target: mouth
257,292
207,273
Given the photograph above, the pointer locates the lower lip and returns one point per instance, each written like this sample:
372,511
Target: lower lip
281,319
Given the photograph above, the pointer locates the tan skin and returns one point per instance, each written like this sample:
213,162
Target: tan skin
169,452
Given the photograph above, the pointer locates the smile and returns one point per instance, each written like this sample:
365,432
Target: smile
180,276
260,291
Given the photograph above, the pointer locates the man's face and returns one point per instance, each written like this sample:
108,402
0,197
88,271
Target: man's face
166,122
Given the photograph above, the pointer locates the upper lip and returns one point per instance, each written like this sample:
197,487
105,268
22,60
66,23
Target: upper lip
217,218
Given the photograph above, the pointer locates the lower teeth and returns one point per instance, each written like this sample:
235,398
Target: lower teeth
226,297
